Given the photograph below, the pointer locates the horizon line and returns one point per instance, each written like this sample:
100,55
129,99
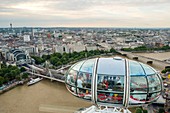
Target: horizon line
85,27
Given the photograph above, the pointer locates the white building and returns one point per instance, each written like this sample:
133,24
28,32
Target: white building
26,38
63,48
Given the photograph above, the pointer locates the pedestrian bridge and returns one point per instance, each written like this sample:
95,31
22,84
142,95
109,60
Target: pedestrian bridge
51,74
51,78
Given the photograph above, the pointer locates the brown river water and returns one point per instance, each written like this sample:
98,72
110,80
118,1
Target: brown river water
43,97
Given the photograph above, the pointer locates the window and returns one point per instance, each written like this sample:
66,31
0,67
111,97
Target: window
110,88
71,77
138,89
88,66
154,87
135,69
71,80
84,85
138,84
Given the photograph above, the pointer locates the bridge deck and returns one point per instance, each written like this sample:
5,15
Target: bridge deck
51,78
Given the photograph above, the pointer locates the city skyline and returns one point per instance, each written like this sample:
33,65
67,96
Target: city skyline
85,13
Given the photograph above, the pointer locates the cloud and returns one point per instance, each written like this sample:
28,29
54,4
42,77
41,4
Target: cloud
117,13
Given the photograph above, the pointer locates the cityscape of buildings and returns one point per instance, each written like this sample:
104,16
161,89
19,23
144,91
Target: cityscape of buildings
19,45
45,41
114,54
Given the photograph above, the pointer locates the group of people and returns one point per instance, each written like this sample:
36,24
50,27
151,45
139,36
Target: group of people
110,82
84,80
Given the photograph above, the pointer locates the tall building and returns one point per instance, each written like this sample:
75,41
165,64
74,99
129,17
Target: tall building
11,26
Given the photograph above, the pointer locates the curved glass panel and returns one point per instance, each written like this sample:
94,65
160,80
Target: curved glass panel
138,89
71,81
88,66
84,85
110,97
154,83
111,66
84,93
85,78
71,77
72,89
153,96
135,68
137,99
154,86
148,69
77,66
110,89
138,84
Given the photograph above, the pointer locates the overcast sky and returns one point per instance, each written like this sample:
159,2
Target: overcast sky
85,13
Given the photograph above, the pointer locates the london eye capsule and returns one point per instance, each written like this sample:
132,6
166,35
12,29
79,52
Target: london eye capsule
114,82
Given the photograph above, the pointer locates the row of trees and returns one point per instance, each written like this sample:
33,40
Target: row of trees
58,59
144,48
9,73
141,110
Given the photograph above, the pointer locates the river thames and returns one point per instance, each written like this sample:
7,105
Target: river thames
29,99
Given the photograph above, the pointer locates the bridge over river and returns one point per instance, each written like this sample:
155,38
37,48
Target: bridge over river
56,75
158,64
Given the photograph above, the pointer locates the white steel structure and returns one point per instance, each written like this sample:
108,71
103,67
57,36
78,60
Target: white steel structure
113,84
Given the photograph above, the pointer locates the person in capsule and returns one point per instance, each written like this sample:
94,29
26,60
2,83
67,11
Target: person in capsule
105,83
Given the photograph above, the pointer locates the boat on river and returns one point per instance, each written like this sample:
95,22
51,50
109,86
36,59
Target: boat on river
33,81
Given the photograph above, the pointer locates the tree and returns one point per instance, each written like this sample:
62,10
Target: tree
58,63
10,76
163,71
25,75
74,54
145,111
4,71
6,79
112,50
96,52
139,110
101,51
12,67
161,110
1,73
38,60
46,57
54,59
56,55
168,69
22,69
1,80
18,77
3,65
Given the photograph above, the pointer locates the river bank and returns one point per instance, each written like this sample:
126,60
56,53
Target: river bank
8,87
